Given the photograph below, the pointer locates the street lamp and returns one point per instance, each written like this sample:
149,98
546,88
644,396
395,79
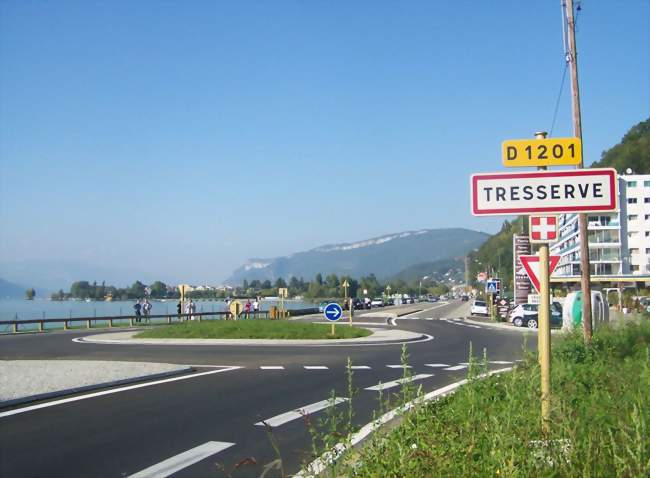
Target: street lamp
424,278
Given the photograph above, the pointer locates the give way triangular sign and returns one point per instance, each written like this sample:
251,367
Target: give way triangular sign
531,265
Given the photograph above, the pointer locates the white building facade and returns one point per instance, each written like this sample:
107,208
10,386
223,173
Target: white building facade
619,242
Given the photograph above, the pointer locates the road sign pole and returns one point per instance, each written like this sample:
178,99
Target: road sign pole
333,329
544,337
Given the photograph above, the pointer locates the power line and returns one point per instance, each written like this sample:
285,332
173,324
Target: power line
559,96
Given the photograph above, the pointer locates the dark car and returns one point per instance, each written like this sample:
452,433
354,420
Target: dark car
390,301
356,303
464,297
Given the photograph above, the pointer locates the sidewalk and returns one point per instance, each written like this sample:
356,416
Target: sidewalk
24,381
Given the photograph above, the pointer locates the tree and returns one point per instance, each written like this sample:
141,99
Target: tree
266,284
319,279
280,283
80,289
158,290
137,289
30,293
632,152
332,281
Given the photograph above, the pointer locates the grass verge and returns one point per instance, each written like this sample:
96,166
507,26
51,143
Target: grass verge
491,427
251,329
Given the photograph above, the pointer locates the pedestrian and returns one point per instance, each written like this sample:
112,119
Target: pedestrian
191,309
247,308
137,307
146,308
179,309
188,310
256,306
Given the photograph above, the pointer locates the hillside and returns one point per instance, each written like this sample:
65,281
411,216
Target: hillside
441,270
632,152
9,289
384,256
496,253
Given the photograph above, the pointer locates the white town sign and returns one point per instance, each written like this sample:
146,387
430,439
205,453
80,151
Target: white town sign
577,190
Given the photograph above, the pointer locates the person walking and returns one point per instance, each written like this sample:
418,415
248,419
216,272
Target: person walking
256,306
179,309
188,310
247,308
192,307
137,307
146,308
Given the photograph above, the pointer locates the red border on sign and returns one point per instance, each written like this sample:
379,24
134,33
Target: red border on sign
550,209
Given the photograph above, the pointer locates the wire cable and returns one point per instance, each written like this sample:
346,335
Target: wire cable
559,96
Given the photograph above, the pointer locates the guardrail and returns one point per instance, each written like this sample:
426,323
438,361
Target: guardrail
133,320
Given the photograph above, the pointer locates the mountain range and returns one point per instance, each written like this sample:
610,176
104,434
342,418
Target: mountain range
9,289
384,256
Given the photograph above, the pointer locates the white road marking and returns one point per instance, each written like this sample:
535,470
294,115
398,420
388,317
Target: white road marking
395,383
300,412
399,366
456,367
436,365
16,411
458,322
316,367
182,460
360,367
272,367
501,362
319,465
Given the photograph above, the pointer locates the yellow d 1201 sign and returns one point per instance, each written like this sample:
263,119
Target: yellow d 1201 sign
541,152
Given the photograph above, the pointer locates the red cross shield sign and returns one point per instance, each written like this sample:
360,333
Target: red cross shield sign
542,229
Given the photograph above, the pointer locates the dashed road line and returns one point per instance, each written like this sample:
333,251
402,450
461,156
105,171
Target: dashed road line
436,365
283,418
182,460
395,383
315,367
271,367
399,366
456,367
360,367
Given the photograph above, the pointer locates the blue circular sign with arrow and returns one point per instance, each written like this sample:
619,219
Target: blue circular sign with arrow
333,312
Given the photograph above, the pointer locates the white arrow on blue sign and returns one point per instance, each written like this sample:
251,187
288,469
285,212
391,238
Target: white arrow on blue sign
333,312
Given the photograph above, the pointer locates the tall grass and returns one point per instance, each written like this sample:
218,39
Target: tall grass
492,427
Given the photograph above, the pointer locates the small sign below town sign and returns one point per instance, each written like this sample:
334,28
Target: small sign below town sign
531,192
543,229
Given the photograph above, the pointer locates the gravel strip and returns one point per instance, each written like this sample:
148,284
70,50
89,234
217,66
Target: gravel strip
21,380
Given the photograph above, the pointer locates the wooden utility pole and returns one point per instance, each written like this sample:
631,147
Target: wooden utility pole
585,273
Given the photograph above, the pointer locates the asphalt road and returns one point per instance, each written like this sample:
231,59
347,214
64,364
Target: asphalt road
209,418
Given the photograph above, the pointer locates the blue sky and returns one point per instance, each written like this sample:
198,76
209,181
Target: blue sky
174,140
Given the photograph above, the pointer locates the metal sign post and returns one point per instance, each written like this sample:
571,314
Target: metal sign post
345,286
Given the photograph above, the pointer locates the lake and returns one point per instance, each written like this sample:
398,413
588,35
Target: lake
21,309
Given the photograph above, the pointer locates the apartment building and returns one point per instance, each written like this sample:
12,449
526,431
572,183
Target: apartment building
619,242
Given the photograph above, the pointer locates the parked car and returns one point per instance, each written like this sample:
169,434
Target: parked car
464,297
479,307
390,301
444,297
526,315
322,305
377,302
356,303
432,298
